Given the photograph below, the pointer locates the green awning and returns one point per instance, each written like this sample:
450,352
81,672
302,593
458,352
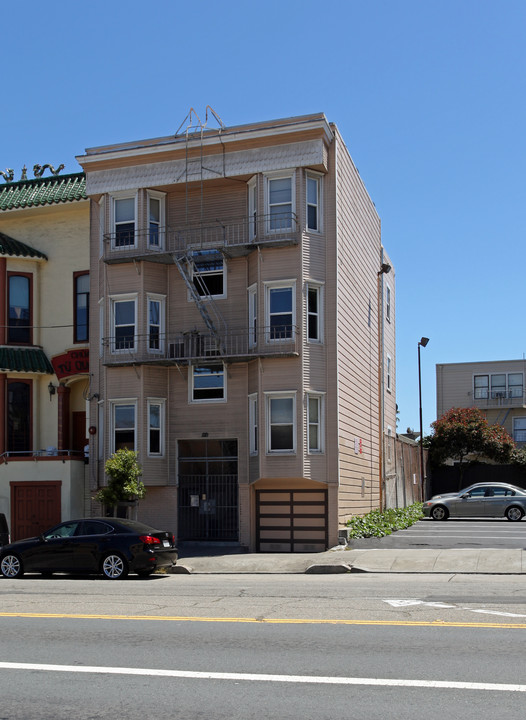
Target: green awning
29,360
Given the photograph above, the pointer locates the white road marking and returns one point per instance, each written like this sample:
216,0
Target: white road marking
407,602
255,677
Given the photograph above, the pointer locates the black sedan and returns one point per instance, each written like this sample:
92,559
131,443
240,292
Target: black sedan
108,546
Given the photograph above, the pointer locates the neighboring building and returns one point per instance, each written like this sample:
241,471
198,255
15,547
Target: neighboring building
44,302
240,302
496,388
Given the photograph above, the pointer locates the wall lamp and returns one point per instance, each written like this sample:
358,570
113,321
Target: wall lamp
51,390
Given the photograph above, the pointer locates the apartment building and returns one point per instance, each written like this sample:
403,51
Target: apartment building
243,325
497,388
44,350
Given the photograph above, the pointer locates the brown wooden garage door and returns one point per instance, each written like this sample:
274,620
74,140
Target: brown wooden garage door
291,520
35,507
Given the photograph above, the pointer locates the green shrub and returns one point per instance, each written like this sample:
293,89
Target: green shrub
379,524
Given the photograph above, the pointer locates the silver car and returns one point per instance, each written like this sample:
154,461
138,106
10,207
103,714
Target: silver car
479,500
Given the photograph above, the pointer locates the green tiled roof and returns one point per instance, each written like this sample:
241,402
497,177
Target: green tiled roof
15,248
42,191
32,360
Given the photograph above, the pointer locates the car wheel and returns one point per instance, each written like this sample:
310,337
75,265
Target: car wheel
439,512
514,513
114,567
144,573
11,566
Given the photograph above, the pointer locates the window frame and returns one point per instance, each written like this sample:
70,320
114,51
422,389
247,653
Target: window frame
280,395
317,287
387,303
161,299
10,275
210,273
161,404
161,197
523,430
389,374
320,424
269,178
317,178
115,300
252,316
76,294
116,197
253,424
279,285
191,385
114,404
252,189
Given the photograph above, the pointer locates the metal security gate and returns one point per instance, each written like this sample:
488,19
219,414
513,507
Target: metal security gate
291,520
208,490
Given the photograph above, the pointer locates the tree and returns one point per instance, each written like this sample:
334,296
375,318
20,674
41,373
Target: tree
124,483
464,435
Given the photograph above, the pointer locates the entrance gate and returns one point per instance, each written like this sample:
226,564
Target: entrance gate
208,490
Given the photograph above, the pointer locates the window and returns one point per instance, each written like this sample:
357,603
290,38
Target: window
280,203
253,423
101,327
252,208
156,204
123,420
481,387
156,428
388,303
498,386
156,306
19,331
208,383
19,416
252,316
281,311
388,373
123,323
314,333
313,203
281,432
124,222
314,423
81,309
515,389
519,429
208,271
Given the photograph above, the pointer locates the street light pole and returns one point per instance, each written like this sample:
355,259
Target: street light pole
385,268
423,342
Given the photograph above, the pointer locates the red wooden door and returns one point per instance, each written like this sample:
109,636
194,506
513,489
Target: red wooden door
35,507
79,431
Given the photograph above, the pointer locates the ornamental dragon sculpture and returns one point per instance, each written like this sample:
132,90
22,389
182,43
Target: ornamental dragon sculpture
38,171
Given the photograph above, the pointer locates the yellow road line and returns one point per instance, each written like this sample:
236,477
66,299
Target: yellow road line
265,621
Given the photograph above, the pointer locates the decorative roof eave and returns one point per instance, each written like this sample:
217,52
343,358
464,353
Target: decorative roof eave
25,360
9,247
42,192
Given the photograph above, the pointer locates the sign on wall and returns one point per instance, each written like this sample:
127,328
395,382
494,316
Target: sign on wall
72,362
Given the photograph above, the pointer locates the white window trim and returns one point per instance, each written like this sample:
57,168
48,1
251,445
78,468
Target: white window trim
101,327
205,401
162,217
116,299
273,285
514,430
252,207
253,424
281,175
162,415
321,422
113,405
253,316
124,195
319,179
269,396
319,286
388,303
389,374
161,299
102,225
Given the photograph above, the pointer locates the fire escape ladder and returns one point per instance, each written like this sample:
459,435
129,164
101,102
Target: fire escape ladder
203,300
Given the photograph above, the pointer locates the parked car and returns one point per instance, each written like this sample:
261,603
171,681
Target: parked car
4,530
479,500
108,546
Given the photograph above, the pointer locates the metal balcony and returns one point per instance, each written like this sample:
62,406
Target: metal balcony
499,399
191,347
235,238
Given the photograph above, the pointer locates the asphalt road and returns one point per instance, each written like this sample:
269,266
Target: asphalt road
453,533
286,647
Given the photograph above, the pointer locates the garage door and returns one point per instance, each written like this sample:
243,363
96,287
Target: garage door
291,520
35,507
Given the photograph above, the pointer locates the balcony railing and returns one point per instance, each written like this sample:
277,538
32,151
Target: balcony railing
239,236
499,398
184,348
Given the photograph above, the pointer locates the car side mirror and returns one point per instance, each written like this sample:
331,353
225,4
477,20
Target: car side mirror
464,495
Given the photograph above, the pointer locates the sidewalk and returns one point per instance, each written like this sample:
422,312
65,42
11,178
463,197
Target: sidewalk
342,560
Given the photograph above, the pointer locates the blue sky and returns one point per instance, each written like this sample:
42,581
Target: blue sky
429,96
